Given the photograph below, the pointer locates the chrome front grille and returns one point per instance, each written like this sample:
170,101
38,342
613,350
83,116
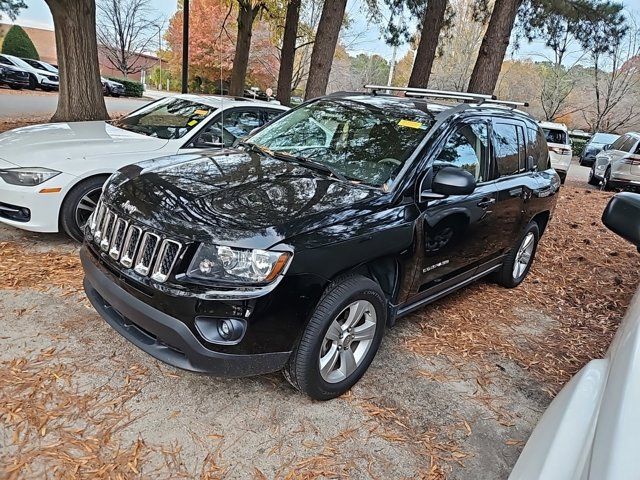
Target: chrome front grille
132,245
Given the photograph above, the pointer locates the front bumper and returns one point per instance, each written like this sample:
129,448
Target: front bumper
46,83
44,207
14,80
161,335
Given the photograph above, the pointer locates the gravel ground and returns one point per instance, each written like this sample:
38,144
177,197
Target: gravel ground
453,393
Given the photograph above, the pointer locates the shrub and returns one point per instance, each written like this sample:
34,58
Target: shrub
17,42
131,87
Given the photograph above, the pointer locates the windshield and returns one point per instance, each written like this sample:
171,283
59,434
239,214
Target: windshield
169,118
604,138
555,136
18,62
367,142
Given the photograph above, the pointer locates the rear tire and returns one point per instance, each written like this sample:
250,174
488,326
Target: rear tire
340,340
76,206
518,263
606,185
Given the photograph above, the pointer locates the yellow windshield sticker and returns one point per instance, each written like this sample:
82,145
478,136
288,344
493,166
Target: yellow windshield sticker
410,124
192,123
201,112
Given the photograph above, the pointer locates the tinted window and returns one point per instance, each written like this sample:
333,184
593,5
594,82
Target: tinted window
5,61
629,144
467,148
618,144
507,148
556,136
273,114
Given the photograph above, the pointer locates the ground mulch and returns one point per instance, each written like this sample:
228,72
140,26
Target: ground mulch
563,315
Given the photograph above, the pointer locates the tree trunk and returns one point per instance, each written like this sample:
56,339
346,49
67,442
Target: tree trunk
246,16
324,47
80,95
288,53
431,26
494,47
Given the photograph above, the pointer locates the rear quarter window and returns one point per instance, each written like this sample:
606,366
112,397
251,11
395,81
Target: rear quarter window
538,147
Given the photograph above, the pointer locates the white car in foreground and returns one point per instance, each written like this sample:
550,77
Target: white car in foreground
51,175
559,147
591,429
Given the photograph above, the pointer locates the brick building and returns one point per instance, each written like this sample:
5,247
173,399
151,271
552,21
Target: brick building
45,43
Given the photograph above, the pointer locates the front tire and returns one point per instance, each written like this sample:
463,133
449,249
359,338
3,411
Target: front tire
606,181
78,205
518,263
33,83
340,340
592,178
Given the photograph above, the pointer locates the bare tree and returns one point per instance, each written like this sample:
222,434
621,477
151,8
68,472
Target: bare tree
126,29
616,84
77,49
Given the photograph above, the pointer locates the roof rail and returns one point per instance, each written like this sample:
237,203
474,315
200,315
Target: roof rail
447,95
428,92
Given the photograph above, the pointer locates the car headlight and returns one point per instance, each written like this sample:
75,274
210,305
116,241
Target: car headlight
600,167
236,265
27,176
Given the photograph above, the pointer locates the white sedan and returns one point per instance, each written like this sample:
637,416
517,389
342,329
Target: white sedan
51,175
590,430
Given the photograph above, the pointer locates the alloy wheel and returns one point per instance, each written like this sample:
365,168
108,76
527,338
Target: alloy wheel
86,206
523,257
347,341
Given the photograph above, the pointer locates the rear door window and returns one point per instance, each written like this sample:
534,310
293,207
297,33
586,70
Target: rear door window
556,136
507,146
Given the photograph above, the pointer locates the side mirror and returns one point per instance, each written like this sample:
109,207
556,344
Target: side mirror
622,216
450,181
606,147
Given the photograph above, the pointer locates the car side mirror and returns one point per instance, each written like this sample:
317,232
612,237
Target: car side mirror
606,147
450,181
622,216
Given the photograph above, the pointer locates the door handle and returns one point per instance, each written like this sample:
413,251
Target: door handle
487,202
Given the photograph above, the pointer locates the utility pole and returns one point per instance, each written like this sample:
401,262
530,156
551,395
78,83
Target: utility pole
185,46
159,53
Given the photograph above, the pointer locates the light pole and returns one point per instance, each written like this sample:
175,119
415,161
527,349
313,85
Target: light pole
185,46
159,58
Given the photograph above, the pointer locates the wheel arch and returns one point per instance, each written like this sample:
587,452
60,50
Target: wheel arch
78,181
542,219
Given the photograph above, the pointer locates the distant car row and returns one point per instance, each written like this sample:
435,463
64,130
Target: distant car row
19,73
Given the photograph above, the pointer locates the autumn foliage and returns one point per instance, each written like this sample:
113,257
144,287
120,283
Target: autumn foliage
211,47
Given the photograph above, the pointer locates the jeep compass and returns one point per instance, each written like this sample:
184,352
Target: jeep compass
298,247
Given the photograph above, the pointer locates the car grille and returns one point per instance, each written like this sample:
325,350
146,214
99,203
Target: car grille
132,245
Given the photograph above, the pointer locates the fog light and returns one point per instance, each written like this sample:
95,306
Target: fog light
225,328
223,331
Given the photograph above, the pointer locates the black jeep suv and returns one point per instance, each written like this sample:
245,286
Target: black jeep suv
298,248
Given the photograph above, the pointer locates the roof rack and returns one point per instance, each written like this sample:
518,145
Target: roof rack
447,95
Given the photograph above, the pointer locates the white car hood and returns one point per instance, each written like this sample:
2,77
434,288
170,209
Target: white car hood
58,145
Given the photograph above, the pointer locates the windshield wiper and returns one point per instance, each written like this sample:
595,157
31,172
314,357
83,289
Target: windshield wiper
300,160
323,167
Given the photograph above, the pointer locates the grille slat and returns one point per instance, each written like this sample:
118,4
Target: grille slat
134,247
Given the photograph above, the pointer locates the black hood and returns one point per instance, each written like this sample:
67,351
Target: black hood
234,197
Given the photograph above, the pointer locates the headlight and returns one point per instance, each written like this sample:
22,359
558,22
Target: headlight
27,176
600,167
221,263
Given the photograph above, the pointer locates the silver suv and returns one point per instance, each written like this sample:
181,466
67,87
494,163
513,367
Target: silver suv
618,166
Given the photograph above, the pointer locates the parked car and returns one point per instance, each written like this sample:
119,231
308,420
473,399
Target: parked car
40,65
51,175
559,147
618,166
590,430
13,77
595,145
297,249
42,79
110,87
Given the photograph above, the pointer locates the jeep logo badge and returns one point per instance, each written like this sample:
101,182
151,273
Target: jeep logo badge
127,207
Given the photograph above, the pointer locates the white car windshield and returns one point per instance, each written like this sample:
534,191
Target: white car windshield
169,118
364,141
18,62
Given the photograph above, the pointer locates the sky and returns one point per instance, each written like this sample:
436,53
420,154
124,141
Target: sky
364,36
